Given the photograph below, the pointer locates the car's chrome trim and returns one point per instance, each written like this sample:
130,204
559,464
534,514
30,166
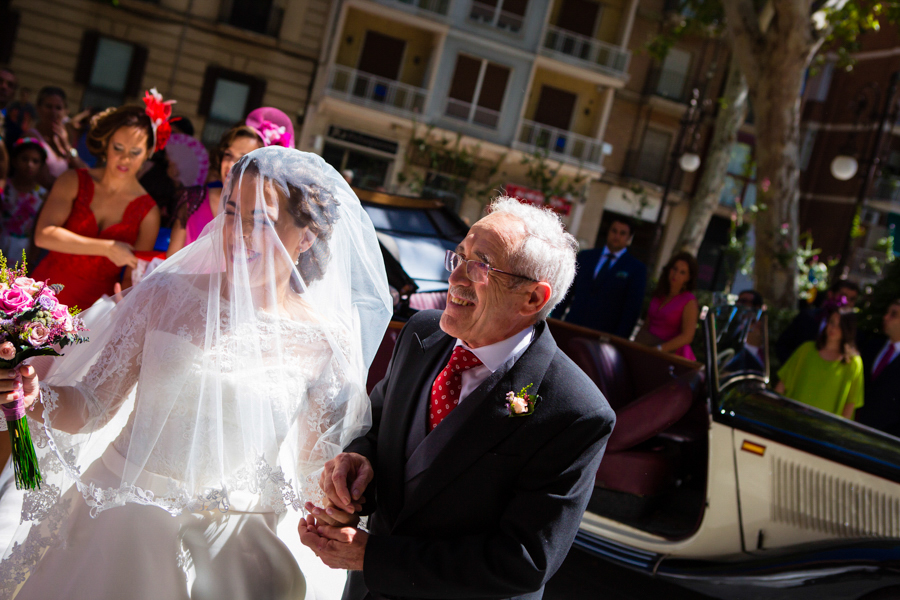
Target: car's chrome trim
619,553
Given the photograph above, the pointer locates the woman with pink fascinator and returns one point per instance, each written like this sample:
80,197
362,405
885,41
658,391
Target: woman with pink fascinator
198,205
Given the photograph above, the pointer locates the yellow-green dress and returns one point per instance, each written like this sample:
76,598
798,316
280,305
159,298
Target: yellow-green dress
825,384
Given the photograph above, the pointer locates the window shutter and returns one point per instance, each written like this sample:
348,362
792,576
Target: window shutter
86,56
257,91
209,86
136,72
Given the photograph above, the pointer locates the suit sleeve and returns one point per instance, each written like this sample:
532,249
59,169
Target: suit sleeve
634,301
528,543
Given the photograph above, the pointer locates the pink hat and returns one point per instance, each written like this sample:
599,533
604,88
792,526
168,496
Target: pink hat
272,125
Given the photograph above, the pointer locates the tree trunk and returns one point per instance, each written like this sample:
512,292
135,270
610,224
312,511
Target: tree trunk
732,113
773,48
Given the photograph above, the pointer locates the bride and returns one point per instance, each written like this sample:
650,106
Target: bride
206,401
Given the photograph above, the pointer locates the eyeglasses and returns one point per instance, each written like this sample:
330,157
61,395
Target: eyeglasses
477,272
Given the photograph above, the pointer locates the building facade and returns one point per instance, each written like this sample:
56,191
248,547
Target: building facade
218,59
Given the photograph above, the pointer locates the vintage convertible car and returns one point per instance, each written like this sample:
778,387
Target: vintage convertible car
714,482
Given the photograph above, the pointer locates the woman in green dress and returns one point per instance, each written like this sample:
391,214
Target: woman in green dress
827,373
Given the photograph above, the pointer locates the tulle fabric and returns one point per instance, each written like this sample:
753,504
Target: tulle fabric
227,378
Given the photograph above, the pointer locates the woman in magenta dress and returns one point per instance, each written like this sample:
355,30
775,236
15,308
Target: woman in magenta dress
199,205
673,312
94,219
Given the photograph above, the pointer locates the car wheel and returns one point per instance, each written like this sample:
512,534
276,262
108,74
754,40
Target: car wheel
888,593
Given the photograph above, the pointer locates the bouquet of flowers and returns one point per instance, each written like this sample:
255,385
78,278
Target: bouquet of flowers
32,323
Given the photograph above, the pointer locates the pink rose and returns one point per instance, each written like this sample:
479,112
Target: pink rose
7,351
14,300
38,334
59,312
519,405
28,284
69,324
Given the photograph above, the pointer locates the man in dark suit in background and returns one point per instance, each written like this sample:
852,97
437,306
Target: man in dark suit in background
808,323
881,359
608,292
484,503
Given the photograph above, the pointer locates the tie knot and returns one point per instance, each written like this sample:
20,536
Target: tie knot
462,359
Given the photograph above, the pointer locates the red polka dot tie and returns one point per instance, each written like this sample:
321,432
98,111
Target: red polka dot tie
446,388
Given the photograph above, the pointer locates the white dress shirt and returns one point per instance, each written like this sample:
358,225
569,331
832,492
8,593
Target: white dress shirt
493,357
612,257
878,358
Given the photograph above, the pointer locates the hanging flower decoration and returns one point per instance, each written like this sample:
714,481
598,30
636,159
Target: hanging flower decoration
160,113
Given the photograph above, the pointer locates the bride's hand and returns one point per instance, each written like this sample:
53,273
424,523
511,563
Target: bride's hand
19,383
332,515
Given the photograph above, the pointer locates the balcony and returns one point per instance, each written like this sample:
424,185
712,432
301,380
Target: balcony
886,187
501,19
376,92
477,115
430,8
559,144
587,52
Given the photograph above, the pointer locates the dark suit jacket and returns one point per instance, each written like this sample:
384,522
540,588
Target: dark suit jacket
610,303
487,506
804,328
881,409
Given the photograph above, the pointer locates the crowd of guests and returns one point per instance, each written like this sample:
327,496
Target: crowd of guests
85,198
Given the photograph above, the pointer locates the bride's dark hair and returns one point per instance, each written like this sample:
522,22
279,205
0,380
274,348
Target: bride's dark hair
311,205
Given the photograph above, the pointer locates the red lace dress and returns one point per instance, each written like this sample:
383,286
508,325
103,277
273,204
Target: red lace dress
86,278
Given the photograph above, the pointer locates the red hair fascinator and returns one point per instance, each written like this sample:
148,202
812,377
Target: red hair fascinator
160,113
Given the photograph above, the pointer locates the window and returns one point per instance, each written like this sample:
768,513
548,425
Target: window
502,14
226,98
260,16
652,159
369,171
111,70
817,86
477,91
9,25
673,75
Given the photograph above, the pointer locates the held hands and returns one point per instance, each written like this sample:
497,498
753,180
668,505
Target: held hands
344,480
121,255
19,383
338,547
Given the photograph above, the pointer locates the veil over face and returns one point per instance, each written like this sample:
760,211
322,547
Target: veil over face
227,377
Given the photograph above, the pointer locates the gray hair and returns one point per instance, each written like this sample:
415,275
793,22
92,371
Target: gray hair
547,252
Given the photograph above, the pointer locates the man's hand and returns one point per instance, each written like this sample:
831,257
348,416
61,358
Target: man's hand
337,547
344,480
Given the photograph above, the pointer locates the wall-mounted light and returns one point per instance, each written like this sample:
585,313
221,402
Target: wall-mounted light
844,167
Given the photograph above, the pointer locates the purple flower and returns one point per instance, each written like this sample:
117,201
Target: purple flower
47,302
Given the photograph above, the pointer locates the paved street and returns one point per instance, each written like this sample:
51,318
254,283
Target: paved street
584,577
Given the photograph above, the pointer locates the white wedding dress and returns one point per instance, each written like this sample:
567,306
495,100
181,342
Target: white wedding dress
179,445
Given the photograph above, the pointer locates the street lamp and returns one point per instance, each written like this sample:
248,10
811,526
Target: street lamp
689,162
844,167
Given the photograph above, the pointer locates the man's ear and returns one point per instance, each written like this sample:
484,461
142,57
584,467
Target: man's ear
537,299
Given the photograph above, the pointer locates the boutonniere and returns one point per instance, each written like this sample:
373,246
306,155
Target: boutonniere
622,274
523,403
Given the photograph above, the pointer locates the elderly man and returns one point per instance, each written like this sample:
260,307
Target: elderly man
486,437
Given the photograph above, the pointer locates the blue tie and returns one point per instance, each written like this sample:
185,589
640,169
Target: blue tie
609,256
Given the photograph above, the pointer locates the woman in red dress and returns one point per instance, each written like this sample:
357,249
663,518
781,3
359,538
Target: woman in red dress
94,219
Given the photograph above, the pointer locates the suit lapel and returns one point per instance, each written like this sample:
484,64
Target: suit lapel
484,421
423,358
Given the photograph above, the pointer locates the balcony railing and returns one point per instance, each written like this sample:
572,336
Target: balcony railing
466,111
559,144
668,84
501,19
886,187
376,92
589,52
432,7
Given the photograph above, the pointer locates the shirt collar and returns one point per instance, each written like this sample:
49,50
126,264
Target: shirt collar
615,255
497,354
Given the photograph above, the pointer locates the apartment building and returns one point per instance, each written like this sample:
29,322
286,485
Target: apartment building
219,59
456,98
